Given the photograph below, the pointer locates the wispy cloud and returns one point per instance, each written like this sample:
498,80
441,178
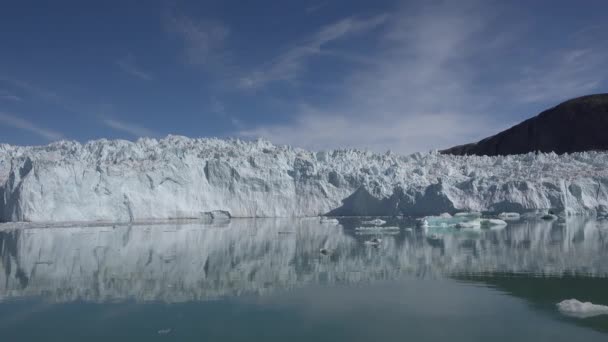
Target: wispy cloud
20,123
76,108
44,94
320,129
203,39
217,107
314,8
291,62
413,98
562,75
428,87
130,128
129,65
7,96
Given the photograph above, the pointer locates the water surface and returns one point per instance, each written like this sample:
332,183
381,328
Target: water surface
265,279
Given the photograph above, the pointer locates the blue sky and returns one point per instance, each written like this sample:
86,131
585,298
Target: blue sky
401,75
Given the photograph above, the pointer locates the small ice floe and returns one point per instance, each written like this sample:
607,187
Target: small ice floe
475,224
578,309
373,242
448,221
468,214
377,232
330,221
479,223
492,222
375,222
378,228
509,216
164,331
409,230
549,217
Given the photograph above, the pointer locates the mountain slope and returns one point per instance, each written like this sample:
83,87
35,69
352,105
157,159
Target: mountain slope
577,125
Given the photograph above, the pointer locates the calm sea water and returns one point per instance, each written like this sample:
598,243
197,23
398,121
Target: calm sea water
265,280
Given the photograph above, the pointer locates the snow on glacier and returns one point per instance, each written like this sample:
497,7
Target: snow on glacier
178,177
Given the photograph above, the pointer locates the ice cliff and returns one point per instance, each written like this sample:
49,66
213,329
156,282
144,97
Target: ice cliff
178,177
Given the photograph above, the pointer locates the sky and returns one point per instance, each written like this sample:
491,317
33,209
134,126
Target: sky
403,76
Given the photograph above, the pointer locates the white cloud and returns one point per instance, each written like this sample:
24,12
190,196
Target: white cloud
203,39
423,90
322,130
291,62
129,65
130,128
19,123
413,98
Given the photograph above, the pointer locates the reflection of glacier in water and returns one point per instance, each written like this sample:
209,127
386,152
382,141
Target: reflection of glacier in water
176,263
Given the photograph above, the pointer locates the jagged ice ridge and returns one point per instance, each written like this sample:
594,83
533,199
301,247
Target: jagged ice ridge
179,177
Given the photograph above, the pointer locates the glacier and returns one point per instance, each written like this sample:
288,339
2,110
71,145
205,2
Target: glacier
183,178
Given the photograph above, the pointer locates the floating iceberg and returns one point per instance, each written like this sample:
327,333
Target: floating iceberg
375,222
575,308
378,228
182,178
329,221
479,223
457,221
492,222
475,224
509,216
473,214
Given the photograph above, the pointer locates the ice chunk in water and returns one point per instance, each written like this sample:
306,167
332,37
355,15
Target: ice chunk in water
576,308
492,222
329,221
377,228
375,222
451,221
509,216
475,224
473,214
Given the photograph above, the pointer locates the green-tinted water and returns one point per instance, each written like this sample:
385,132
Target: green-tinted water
265,280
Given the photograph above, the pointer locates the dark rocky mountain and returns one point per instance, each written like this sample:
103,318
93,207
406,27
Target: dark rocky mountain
577,125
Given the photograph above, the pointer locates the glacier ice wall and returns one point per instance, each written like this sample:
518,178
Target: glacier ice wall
178,177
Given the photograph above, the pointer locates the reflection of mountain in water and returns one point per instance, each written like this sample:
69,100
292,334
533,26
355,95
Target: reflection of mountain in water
176,263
